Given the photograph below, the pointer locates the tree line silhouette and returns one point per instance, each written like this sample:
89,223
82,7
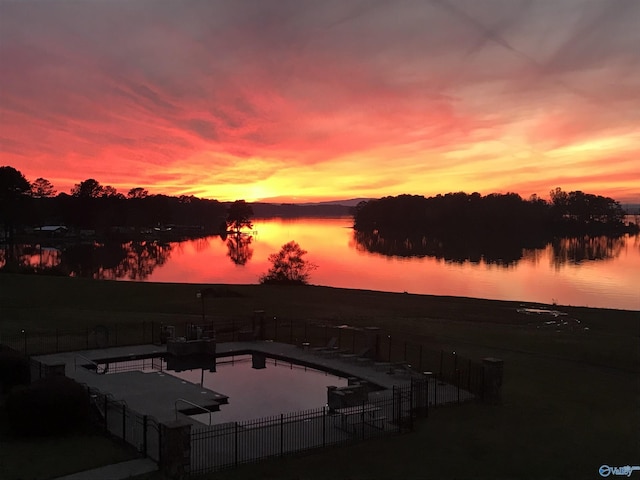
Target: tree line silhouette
506,214
496,228
92,206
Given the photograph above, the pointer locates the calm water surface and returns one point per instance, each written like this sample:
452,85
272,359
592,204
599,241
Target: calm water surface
255,393
598,273
594,272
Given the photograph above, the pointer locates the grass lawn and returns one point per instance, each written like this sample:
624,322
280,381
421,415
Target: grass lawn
47,458
571,397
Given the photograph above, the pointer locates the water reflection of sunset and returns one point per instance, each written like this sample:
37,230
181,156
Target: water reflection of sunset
537,277
589,271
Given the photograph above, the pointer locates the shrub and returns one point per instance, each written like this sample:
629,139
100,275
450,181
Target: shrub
14,370
288,266
48,406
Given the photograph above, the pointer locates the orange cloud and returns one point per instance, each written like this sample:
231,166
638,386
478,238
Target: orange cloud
335,100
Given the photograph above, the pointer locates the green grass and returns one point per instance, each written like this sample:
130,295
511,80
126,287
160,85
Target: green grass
571,397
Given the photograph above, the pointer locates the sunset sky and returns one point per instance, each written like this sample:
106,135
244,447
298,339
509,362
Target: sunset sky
304,100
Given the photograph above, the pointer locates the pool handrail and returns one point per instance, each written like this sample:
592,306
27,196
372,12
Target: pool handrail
193,405
75,364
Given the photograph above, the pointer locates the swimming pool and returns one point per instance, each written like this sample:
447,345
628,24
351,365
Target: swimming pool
256,385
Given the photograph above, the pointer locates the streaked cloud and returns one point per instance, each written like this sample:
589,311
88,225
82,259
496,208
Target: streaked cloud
327,99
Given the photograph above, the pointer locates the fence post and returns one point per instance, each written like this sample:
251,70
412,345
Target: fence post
144,434
393,404
281,434
324,426
435,392
236,445
399,410
106,410
411,404
159,426
24,334
426,395
124,422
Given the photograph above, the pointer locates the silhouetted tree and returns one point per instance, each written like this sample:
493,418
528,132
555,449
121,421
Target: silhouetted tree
89,188
137,192
14,191
111,192
289,266
42,188
239,216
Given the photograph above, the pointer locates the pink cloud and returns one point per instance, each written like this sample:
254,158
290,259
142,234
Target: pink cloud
131,92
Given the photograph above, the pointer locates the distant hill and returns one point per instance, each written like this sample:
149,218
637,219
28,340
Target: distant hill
631,208
293,210
352,202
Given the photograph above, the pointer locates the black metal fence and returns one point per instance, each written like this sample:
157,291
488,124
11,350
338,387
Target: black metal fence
68,340
143,432
217,447
442,378
378,344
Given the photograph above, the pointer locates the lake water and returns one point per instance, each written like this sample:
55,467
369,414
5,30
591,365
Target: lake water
594,272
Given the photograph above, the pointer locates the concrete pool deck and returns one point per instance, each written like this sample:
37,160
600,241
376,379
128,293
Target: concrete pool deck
156,394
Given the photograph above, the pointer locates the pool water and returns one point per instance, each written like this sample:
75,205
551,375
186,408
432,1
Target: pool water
279,387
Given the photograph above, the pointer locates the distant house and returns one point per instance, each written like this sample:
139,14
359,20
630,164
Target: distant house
52,230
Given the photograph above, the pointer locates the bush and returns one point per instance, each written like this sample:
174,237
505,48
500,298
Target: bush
288,266
52,405
14,370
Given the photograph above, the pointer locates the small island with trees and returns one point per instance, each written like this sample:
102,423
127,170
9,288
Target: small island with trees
495,227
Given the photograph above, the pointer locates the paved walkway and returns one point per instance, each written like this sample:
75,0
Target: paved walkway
156,394
116,471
